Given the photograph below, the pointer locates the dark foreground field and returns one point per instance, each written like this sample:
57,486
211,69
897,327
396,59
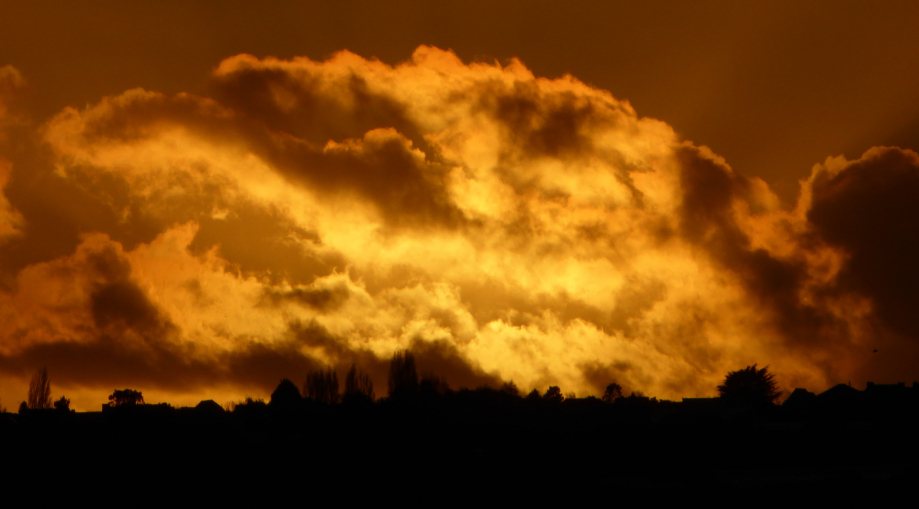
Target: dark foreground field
468,442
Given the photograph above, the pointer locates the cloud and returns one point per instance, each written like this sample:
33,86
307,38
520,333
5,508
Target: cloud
501,225
868,208
12,84
10,218
865,212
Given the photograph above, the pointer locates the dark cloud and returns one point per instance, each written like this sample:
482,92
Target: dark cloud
109,362
314,335
265,243
599,375
310,106
406,189
559,124
708,221
554,125
708,191
440,357
443,358
124,305
319,299
870,209
117,304
377,165
633,379
311,109
57,210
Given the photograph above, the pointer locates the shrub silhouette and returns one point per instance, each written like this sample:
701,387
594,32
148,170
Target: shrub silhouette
322,386
125,397
750,385
403,375
40,390
62,404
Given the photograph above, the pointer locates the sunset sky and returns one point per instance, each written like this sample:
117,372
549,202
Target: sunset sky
199,198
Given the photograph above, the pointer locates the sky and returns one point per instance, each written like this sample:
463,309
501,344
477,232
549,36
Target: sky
199,198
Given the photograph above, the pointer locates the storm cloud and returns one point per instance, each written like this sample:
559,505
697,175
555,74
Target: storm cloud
501,225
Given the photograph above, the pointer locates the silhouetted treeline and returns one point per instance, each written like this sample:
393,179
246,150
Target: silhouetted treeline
425,430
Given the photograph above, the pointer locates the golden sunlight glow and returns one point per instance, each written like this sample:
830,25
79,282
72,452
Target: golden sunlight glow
529,229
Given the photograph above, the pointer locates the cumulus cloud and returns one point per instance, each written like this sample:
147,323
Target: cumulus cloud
501,225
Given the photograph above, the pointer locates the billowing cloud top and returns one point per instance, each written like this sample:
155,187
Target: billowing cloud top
501,225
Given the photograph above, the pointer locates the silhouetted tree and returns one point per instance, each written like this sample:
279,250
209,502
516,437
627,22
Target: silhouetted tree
403,376
750,385
40,390
511,388
125,397
358,384
534,395
23,407
431,383
612,392
553,393
322,386
285,395
62,404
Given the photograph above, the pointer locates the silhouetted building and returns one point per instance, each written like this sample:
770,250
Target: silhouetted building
800,398
209,407
839,394
890,391
801,403
897,401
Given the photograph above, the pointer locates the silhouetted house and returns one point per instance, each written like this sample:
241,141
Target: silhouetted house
800,398
895,391
841,401
892,400
839,394
800,403
209,407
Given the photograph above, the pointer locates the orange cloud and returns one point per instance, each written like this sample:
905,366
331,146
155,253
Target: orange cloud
502,225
